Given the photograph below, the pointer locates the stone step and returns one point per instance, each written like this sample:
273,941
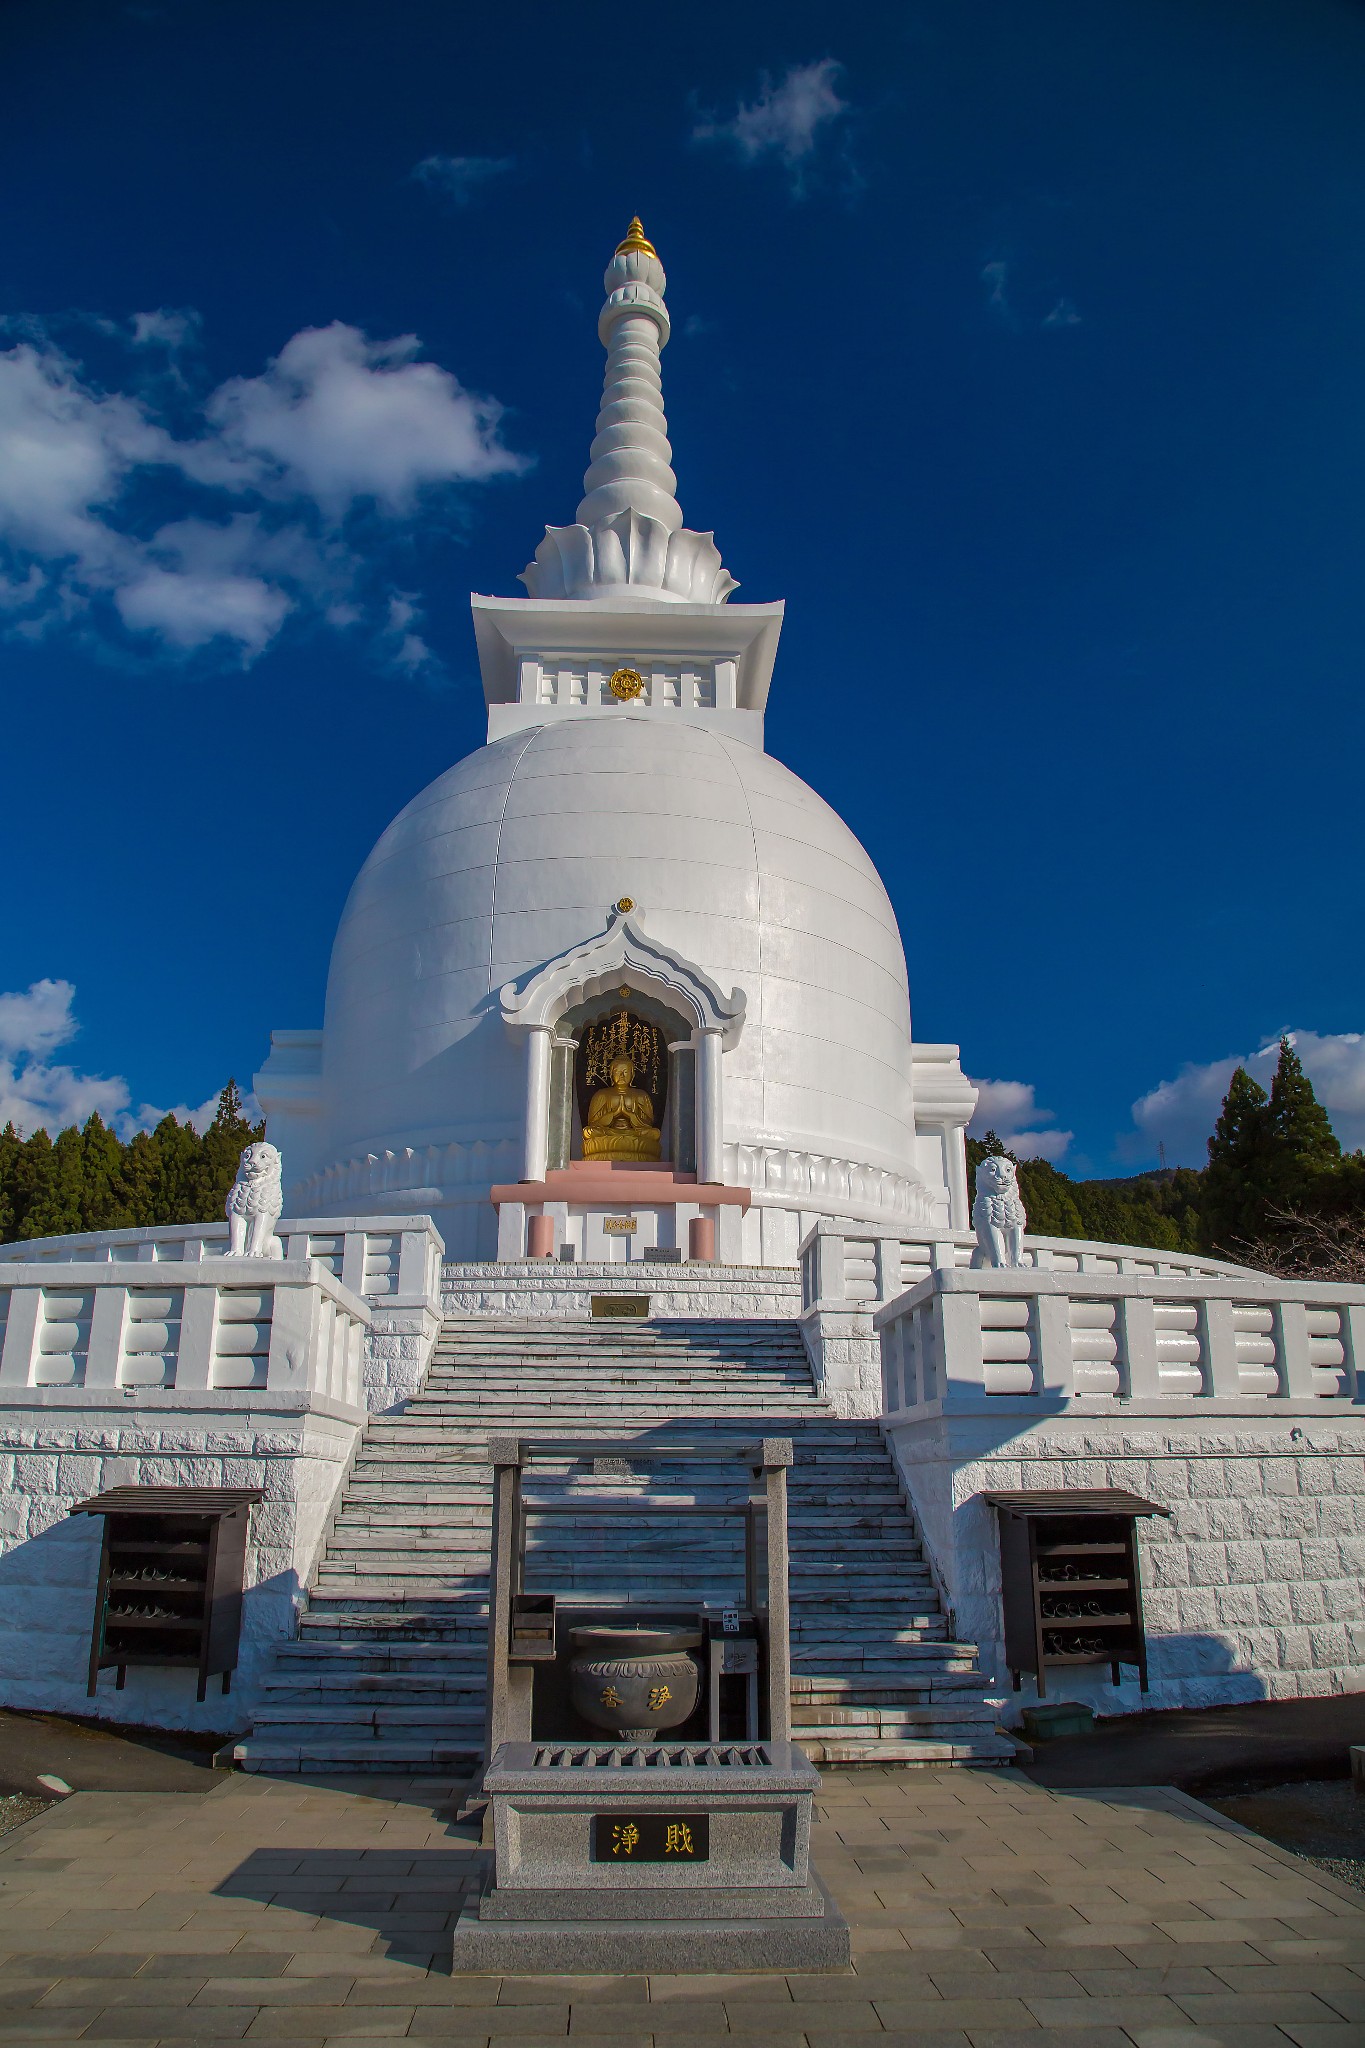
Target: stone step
465,1718
394,1639
977,1748
318,1752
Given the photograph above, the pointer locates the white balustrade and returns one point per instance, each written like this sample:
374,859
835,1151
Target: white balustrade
962,1338
79,1330
395,1261
845,1267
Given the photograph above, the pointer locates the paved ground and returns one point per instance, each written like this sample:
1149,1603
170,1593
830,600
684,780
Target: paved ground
988,1912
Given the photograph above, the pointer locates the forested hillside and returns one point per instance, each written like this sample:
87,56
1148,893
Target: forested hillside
1276,1179
92,1180
1277,1188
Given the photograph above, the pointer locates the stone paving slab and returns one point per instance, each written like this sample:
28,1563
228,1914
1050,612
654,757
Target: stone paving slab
987,1912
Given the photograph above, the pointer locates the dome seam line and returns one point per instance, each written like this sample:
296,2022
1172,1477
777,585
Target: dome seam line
497,847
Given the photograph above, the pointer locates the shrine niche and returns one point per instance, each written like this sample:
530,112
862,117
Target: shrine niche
621,1084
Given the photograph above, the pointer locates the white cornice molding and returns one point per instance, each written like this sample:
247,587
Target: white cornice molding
508,628
623,952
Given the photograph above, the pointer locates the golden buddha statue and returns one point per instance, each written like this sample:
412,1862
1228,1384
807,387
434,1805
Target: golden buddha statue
620,1120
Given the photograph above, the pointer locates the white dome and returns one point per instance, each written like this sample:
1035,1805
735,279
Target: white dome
518,853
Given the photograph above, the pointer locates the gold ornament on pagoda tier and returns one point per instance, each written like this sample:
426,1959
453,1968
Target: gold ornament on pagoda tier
626,1056
625,683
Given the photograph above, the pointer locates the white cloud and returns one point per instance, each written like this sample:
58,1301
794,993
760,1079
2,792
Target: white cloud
37,1094
1008,1108
34,1021
334,423
408,652
786,121
166,329
1181,1113
341,418
34,1091
460,179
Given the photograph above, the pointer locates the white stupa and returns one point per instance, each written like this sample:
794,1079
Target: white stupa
622,872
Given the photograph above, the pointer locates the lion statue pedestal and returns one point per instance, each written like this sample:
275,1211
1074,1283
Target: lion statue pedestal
254,1203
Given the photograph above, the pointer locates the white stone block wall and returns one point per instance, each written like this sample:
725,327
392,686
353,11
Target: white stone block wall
1234,1401
1252,1590
49,1559
398,1348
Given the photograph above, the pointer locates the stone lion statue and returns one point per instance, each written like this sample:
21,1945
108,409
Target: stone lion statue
254,1202
998,1214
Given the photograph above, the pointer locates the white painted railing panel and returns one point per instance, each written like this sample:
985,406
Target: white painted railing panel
966,1337
230,1325
843,1268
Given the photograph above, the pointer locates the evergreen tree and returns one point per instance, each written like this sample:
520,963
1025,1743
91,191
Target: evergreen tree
140,1181
1232,1200
1303,1144
35,1177
221,1149
179,1159
1050,1200
11,1144
103,1205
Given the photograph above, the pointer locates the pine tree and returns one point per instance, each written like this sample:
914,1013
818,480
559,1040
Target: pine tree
1232,1201
1303,1143
103,1205
140,1181
221,1149
35,1178
179,1158
1050,1200
11,1145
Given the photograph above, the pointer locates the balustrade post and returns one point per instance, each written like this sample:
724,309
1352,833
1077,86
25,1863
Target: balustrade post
1056,1371
1222,1376
829,1267
352,1273
198,1328
1353,1343
1139,1362
104,1354
295,1313
957,1327
21,1336
886,1254
1295,1358
412,1266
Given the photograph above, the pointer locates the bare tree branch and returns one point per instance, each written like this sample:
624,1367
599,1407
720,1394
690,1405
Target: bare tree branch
1307,1247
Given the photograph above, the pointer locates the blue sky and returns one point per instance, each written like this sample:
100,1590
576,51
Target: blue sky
1018,348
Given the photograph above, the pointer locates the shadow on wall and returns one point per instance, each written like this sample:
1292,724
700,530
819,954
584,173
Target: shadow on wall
48,1585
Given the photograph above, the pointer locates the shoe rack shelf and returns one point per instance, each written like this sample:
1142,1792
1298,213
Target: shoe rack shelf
172,1563
1070,1581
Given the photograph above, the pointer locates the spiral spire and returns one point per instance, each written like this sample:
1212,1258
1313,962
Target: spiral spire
628,540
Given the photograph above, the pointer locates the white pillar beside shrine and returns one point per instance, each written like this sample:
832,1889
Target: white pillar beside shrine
537,1102
710,1106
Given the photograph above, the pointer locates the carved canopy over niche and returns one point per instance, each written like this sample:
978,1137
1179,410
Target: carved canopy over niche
624,955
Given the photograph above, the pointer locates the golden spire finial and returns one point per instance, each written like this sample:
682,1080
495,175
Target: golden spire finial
636,240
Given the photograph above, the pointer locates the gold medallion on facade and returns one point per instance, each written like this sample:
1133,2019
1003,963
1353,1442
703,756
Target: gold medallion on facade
625,683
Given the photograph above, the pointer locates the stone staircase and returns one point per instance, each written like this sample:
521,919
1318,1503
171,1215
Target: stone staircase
387,1672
